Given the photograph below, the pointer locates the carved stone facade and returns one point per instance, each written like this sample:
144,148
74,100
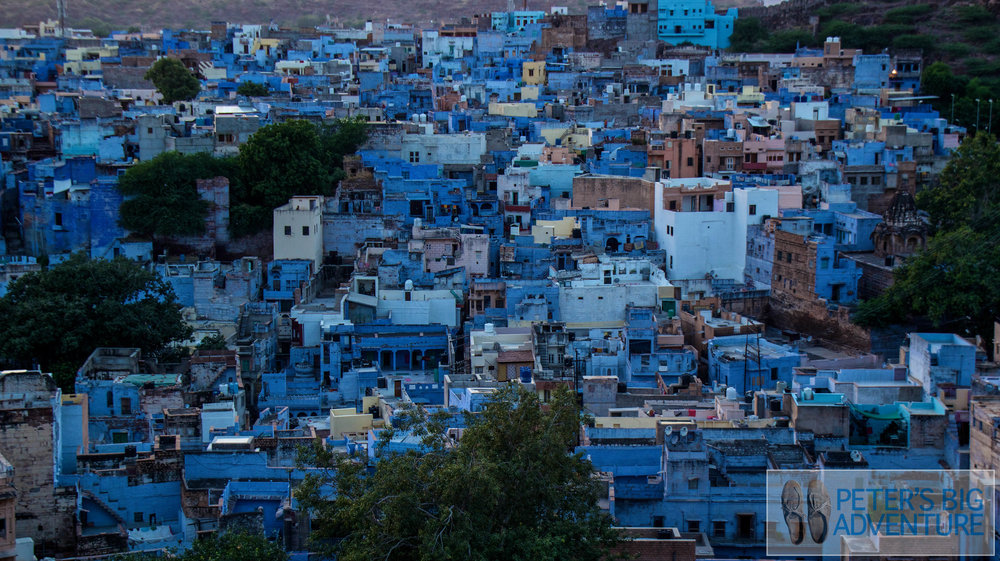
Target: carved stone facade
902,231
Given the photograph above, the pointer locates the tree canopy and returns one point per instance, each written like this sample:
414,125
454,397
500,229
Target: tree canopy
234,547
955,281
230,546
508,489
162,198
286,159
283,160
173,80
278,162
59,315
251,89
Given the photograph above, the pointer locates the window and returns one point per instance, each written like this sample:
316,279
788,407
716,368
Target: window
138,517
745,526
673,205
671,261
718,528
111,400
690,162
657,521
781,255
414,157
694,526
730,206
774,374
305,230
693,484
753,210
288,230
58,219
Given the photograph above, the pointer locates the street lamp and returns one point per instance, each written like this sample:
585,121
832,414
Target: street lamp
989,124
977,113
953,109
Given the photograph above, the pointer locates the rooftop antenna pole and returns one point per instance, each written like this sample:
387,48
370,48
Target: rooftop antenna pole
61,13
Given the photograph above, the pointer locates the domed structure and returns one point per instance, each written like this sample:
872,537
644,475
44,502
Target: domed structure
902,231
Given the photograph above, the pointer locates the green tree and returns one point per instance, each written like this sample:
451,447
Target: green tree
240,546
955,281
967,192
213,343
343,138
58,316
234,547
282,160
173,80
287,159
508,489
749,35
788,40
162,199
252,89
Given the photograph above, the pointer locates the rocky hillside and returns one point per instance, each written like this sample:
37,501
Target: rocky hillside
155,14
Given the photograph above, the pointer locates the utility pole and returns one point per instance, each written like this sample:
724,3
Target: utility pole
61,14
989,124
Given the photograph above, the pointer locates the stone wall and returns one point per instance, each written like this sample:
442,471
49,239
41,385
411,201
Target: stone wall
28,418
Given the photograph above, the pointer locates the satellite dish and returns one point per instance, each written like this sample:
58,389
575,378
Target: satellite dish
856,455
668,430
684,431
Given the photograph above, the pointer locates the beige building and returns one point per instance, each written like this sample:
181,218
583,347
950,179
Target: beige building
29,416
298,230
8,533
984,432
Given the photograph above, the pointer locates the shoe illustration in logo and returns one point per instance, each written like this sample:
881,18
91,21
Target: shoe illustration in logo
791,508
818,502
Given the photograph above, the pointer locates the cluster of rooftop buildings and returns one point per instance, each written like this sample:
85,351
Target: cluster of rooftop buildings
674,232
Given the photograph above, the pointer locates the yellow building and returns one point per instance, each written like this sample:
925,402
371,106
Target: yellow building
544,230
84,61
513,109
574,137
533,73
348,421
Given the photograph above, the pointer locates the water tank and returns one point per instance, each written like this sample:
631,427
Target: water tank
408,285
731,133
423,117
732,394
414,117
489,328
808,394
464,98
780,387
